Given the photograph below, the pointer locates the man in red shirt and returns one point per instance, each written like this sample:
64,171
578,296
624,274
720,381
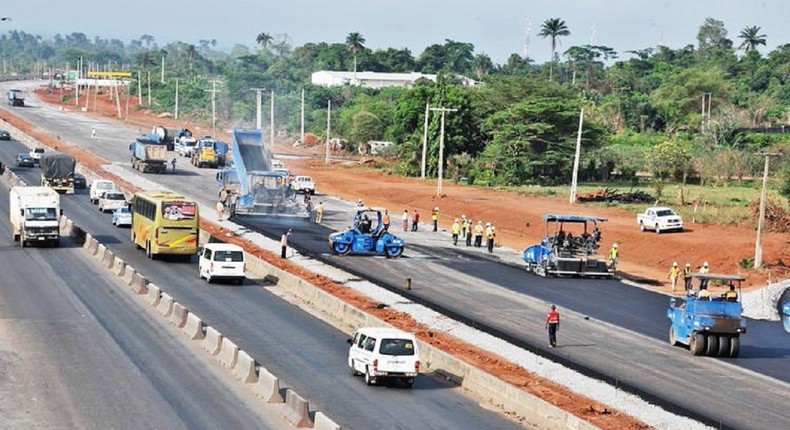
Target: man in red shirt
553,325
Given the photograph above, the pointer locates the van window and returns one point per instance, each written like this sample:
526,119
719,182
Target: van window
361,343
396,347
207,254
235,256
370,344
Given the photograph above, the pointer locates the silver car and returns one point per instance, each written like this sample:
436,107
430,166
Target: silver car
122,217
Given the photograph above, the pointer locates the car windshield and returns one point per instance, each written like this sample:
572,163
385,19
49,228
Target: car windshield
105,186
235,256
396,347
665,212
39,150
24,156
123,211
114,196
40,214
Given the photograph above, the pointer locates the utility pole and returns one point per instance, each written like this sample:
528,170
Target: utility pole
149,88
758,244
162,78
117,98
176,113
576,158
257,106
213,92
328,128
441,149
424,141
139,87
271,122
302,116
128,96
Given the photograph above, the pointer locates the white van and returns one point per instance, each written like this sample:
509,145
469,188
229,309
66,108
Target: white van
222,261
384,353
99,187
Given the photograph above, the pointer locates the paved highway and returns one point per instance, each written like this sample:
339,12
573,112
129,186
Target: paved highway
76,352
306,353
460,283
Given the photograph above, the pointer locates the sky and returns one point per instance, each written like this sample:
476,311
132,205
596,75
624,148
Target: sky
495,27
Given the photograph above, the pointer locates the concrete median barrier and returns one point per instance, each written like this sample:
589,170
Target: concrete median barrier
118,266
154,294
213,341
107,259
93,246
228,354
68,228
178,316
268,387
194,327
127,274
322,422
296,410
100,248
245,368
165,306
139,284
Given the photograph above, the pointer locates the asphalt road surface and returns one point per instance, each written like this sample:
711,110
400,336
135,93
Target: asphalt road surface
303,351
506,301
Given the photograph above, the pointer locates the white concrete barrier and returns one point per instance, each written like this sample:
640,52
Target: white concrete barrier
213,341
68,229
178,316
268,387
245,368
139,284
194,327
154,294
228,354
322,422
100,248
119,266
165,306
128,273
296,410
88,239
107,259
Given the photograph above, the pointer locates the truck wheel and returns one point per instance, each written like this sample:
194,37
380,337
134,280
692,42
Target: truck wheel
394,251
341,248
642,227
148,252
16,238
672,340
712,346
408,382
697,343
369,379
724,346
658,229
735,346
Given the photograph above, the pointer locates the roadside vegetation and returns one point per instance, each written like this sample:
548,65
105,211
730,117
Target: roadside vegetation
644,126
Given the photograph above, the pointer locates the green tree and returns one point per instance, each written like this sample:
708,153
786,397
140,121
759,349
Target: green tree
668,158
263,40
365,126
355,43
751,38
553,28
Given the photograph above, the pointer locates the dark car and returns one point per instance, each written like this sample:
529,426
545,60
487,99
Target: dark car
24,160
5,135
79,181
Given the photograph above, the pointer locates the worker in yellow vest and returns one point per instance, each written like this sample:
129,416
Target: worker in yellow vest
674,274
435,218
455,230
491,236
479,234
614,256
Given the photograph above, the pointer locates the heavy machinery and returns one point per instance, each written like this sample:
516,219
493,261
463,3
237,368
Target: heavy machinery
149,154
251,187
209,152
561,253
34,214
709,324
57,171
15,97
367,236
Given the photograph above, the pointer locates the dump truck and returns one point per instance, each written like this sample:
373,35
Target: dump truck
149,154
204,154
15,97
57,171
34,213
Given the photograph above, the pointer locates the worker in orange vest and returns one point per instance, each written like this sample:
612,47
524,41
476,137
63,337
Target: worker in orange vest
553,325
385,220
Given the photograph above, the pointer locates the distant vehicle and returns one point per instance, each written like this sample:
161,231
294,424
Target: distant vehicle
149,154
164,222
381,353
122,217
36,154
709,324
222,261
204,155
569,248
185,146
304,184
282,171
111,200
277,164
15,97
98,187
5,135
57,169
659,219
79,181
25,160
35,215
366,237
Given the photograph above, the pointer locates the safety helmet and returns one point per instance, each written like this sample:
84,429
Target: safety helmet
456,220
705,264
480,222
614,246
488,224
688,264
675,264
436,208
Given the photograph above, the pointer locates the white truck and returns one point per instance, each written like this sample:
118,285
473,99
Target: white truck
659,219
35,213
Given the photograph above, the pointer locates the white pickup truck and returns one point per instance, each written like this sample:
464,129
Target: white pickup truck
659,219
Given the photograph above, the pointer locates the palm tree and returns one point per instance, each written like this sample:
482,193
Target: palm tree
355,43
751,38
553,28
264,39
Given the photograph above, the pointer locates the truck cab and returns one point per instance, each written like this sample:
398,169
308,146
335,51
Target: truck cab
35,215
204,154
15,97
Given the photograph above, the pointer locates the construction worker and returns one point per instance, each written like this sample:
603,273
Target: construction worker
284,244
435,219
415,220
319,212
469,233
479,234
172,163
455,230
731,295
614,256
464,226
405,218
93,133
491,236
674,274
687,276
703,292
385,220
703,283
553,325
220,210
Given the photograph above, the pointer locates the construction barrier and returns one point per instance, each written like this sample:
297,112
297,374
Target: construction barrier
87,244
68,229
178,317
153,296
228,354
194,327
213,341
107,259
119,266
139,284
165,306
93,246
268,387
296,411
128,274
245,368
322,422
99,253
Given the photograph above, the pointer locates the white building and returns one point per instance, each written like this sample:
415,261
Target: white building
327,78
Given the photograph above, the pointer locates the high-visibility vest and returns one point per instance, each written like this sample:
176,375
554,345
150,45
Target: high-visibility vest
553,317
478,230
674,272
386,219
456,228
613,253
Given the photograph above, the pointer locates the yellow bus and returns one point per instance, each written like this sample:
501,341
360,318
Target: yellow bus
164,222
